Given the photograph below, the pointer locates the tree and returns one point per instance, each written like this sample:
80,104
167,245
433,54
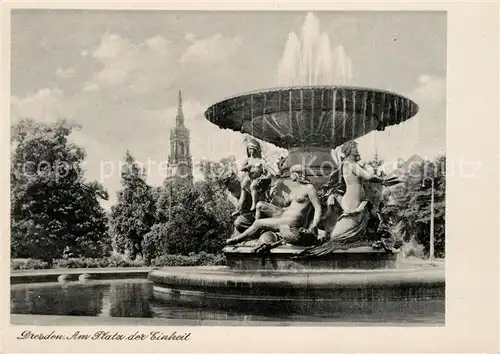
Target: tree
420,206
193,227
133,214
171,194
414,206
192,218
214,195
215,171
53,209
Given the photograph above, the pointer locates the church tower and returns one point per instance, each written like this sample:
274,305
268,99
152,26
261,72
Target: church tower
179,160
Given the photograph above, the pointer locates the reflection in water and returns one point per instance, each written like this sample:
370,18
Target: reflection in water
130,300
108,299
70,300
194,308
134,298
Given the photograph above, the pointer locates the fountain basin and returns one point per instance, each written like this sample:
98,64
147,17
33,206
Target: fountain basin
222,286
320,116
132,301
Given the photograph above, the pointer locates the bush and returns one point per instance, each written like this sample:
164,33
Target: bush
96,263
200,259
413,249
207,259
23,264
169,260
80,262
154,241
120,261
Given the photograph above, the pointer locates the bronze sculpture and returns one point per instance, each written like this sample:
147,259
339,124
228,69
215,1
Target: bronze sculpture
291,217
352,199
359,222
255,175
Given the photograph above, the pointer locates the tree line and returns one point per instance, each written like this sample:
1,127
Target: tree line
56,213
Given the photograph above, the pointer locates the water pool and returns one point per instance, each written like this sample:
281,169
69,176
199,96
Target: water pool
133,298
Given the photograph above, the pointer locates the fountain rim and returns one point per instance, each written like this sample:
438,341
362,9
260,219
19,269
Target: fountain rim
233,112
310,87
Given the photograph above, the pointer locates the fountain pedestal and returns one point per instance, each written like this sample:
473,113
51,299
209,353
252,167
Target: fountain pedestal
281,258
317,162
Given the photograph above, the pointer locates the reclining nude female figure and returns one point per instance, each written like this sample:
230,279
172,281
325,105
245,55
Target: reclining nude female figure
294,214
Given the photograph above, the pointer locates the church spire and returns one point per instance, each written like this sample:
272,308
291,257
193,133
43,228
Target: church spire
179,119
179,159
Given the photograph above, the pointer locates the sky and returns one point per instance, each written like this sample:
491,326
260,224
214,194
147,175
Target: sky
117,74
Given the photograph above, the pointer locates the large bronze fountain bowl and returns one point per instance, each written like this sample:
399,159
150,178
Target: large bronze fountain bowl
309,121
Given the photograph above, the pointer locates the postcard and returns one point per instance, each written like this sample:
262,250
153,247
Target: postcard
250,177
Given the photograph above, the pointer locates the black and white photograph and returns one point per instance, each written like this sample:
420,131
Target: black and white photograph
238,168
254,168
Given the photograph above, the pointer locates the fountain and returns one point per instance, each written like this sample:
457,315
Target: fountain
313,111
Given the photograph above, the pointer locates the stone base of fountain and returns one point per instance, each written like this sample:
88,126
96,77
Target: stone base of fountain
418,289
281,258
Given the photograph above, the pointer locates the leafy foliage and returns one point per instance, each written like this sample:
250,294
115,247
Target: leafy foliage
199,220
53,209
214,171
413,207
193,259
168,197
192,218
200,259
134,213
29,263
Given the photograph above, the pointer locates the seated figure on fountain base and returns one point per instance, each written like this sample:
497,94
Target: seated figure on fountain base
291,218
255,175
295,217
359,223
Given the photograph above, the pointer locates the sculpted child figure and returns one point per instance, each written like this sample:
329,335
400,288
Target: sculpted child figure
253,174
